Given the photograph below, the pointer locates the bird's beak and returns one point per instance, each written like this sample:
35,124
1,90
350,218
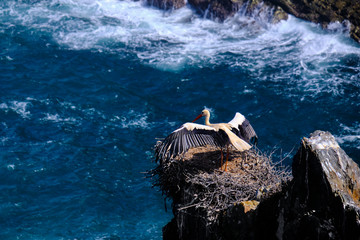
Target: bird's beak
197,118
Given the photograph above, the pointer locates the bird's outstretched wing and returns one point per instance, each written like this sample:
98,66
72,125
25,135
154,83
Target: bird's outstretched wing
242,128
189,135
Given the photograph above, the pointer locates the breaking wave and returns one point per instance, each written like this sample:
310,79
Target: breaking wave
292,50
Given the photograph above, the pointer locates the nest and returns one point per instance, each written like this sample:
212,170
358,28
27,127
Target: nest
196,181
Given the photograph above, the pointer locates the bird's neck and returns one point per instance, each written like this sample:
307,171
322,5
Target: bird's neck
207,122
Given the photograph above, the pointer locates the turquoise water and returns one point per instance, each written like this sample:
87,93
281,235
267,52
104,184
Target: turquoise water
87,86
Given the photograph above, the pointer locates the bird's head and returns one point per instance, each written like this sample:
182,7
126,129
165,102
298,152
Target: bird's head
204,112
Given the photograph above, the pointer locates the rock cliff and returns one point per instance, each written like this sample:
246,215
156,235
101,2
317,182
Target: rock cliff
325,12
221,9
346,12
256,200
322,201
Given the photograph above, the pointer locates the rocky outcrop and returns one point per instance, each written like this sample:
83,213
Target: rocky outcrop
321,201
222,9
346,12
167,4
325,12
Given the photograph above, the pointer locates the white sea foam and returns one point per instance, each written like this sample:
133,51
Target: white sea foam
133,120
174,40
4,106
17,106
20,108
56,118
10,166
350,135
130,119
349,138
162,40
3,140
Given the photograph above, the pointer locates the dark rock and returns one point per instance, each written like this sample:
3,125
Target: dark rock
222,9
214,8
167,4
325,12
322,201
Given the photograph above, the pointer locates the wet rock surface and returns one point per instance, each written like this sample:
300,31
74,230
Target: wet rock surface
219,10
324,12
167,4
321,201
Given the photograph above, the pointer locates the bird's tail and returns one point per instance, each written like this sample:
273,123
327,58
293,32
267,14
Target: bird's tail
237,142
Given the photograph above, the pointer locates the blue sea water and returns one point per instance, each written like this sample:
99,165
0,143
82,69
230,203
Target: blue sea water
87,87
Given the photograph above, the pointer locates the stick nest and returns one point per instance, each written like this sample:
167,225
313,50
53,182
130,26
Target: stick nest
195,181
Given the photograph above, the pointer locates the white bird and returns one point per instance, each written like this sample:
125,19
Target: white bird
238,132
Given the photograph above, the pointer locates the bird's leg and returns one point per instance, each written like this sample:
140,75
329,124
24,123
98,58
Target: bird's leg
222,158
227,156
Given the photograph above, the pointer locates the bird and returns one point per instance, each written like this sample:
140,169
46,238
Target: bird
238,132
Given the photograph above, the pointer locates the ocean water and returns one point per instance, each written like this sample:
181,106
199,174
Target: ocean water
87,87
